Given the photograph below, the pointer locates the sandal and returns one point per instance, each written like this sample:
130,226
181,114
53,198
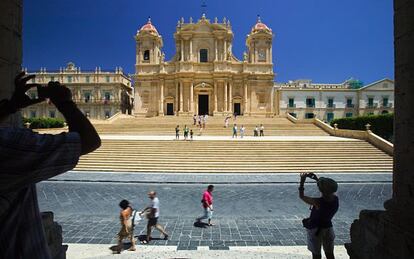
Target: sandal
144,242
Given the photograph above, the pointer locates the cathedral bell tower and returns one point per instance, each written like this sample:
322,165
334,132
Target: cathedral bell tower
148,45
259,44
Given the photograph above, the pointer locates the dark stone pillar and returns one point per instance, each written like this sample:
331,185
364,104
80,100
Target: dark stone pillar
390,233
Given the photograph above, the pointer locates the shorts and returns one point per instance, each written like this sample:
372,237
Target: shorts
325,238
152,221
208,214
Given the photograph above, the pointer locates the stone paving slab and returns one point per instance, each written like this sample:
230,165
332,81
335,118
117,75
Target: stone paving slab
245,214
85,251
227,178
228,138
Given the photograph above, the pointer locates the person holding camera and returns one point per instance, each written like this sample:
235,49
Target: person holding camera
27,157
319,228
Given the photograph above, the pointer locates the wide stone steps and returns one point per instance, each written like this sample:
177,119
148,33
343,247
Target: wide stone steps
214,127
236,156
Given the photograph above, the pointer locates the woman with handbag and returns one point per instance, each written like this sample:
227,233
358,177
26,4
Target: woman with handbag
127,227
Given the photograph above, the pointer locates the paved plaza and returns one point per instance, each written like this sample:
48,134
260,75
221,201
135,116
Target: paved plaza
250,209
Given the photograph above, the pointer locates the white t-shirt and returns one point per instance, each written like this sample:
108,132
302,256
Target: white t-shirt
155,204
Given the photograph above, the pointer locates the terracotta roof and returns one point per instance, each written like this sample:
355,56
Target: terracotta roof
149,27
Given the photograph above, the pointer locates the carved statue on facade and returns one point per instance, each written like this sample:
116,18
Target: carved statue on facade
245,56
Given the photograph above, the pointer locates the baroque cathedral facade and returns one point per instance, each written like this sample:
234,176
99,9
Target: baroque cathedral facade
204,76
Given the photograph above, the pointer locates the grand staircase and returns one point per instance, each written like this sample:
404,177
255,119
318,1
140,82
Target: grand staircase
214,127
236,156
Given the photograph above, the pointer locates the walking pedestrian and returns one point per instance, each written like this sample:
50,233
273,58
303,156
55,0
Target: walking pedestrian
153,215
199,121
242,129
234,131
195,119
203,120
207,203
261,130
191,135
319,228
177,132
127,227
256,131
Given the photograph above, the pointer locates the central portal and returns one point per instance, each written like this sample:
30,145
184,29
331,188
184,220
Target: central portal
202,104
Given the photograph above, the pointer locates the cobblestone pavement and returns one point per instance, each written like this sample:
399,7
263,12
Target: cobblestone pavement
245,214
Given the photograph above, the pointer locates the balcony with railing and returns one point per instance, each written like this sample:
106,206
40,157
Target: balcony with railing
372,105
291,105
350,106
331,106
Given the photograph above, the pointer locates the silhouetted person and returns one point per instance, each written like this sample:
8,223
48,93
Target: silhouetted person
319,225
27,157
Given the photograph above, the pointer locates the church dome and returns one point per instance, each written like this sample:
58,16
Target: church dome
259,26
149,27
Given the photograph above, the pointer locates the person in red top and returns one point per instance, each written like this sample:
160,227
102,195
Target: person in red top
207,202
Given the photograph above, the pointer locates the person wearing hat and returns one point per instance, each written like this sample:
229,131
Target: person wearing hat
319,228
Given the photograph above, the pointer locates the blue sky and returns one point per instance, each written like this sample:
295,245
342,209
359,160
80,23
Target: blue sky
323,40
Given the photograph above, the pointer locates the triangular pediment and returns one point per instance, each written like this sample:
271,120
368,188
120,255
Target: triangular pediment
381,85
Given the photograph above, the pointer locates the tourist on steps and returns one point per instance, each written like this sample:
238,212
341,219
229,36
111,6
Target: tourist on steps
191,135
127,227
261,130
185,132
207,203
177,132
154,213
256,131
242,130
195,119
319,225
234,131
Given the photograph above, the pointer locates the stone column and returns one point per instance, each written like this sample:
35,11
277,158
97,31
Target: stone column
10,51
225,97
182,50
230,106
215,50
177,97
272,97
390,233
161,98
245,98
192,97
191,50
181,96
225,50
215,96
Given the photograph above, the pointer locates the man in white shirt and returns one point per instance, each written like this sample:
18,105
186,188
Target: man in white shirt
153,215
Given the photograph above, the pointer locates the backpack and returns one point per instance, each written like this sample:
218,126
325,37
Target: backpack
136,218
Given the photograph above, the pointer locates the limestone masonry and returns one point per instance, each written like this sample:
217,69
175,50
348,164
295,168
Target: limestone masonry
205,77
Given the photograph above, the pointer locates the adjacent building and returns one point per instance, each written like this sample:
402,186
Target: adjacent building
304,99
98,94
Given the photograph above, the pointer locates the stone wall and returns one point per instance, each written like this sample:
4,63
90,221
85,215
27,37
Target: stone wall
10,49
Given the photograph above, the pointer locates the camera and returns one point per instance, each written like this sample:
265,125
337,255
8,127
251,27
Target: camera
312,176
42,92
